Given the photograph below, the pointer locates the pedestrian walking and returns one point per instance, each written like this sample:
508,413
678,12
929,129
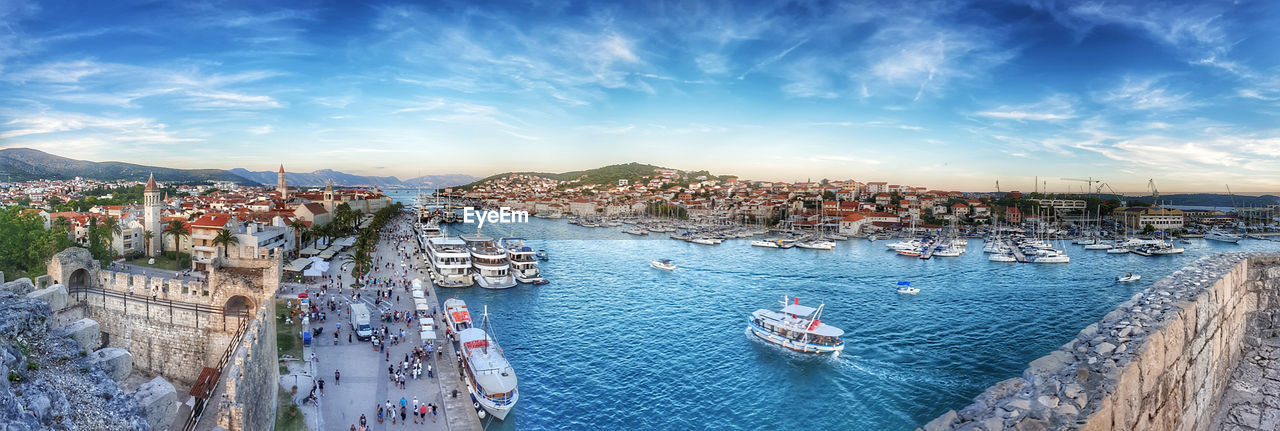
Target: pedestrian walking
337,378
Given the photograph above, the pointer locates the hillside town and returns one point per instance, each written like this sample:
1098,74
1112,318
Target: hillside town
187,219
847,206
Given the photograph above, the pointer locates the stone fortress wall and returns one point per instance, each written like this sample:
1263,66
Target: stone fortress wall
1160,361
176,329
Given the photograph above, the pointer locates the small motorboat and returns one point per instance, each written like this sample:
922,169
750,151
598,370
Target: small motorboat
538,281
542,254
1128,277
1118,250
904,287
911,253
663,264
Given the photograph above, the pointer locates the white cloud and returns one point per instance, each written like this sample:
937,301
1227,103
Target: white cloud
1145,95
1054,108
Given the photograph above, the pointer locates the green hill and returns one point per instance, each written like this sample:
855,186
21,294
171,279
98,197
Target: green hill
23,164
631,172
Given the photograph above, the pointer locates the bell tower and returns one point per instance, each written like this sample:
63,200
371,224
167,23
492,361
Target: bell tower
151,215
280,186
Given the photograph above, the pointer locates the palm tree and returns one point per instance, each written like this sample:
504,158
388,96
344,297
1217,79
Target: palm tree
147,235
359,260
299,229
177,229
226,239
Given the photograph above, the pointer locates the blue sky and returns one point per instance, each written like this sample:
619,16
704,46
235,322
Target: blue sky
948,94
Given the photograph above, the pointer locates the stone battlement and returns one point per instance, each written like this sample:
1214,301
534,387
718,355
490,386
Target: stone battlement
1161,360
190,291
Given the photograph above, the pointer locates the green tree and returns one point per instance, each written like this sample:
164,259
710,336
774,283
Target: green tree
147,235
299,233
1148,229
25,245
226,239
178,230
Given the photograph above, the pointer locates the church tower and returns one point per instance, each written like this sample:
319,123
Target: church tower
280,187
151,215
328,195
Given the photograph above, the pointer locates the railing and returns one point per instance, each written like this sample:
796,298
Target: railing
86,294
197,410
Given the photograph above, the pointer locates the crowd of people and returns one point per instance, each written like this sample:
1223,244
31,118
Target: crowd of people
389,285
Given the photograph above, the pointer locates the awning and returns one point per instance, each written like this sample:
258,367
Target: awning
309,251
297,265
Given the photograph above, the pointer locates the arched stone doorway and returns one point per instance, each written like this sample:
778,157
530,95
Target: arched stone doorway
78,279
238,306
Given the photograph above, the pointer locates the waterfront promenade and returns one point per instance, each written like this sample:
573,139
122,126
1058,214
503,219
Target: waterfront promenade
365,380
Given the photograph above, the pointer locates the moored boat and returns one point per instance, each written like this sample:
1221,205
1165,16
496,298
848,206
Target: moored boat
489,375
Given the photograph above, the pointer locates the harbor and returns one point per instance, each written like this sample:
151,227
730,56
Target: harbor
972,323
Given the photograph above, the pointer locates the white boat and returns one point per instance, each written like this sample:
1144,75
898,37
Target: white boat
431,229
774,243
456,315
950,250
764,243
489,375
705,240
663,264
635,230
909,252
913,244
490,263
1101,245
1051,257
524,266
817,245
1129,277
796,327
904,287
1002,257
542,255
1118,250
1217,235
450,262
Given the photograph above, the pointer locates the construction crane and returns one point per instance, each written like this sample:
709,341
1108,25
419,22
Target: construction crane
1089,181
1155,194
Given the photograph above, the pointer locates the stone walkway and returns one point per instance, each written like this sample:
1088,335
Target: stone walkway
364,378
1252,399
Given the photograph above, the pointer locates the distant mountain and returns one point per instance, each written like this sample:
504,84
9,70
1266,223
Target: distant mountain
24,164
318,178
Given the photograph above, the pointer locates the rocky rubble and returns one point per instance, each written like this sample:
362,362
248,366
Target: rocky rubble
51,383
1062,389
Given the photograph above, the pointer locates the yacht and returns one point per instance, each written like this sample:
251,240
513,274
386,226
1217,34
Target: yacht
1217,235
1128,277
490,263
1002,257
1118,250
489,375
456,315
1050,256
817,245
635,230
774,243
705,240
1100,245
431,229
911,244
542,254
663,264
450,262
796,327
950,250
524,266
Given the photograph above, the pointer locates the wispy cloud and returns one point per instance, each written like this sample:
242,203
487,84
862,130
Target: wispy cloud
1147,94
1054,108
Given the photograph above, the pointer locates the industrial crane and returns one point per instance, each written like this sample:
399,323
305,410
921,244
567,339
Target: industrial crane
1155,194
1089,181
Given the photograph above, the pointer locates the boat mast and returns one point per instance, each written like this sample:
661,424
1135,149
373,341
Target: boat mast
485,347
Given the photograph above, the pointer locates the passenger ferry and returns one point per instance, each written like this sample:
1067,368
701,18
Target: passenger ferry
796,327
431,229
450,262
489,374
490,263
524,265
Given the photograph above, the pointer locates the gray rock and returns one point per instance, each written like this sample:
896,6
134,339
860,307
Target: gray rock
55,295
116,362
85,332
1105,349
1050,401
993,424
21,286
159,401
1018,405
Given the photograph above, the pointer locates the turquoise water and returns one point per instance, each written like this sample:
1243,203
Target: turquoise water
612,343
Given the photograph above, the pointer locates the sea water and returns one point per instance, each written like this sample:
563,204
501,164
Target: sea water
612,343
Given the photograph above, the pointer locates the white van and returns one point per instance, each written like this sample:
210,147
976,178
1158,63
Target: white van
360,321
